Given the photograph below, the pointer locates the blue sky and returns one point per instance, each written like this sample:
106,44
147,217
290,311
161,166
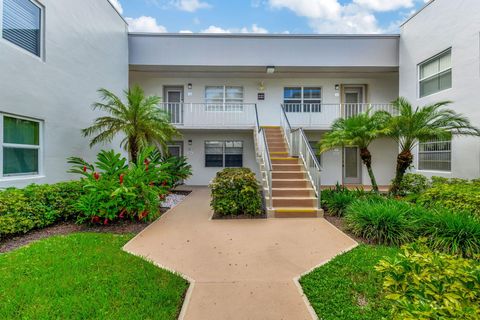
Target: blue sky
267,16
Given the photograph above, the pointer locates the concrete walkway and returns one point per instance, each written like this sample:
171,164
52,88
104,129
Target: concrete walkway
239,269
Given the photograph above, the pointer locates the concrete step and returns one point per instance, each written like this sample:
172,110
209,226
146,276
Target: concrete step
287,167
295,202
275,154
284,160
288,175
293,192
279,144
298,212
291,183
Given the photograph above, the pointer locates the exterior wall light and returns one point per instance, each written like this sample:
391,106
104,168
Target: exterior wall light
270,69
337,87
189,86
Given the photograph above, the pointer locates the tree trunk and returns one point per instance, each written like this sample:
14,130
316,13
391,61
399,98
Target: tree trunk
133,148
366,157
404,161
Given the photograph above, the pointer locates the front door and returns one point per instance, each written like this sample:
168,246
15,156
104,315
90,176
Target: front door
175,149
352,166
174,97
353,97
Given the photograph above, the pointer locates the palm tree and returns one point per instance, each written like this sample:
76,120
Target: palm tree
140,119
412,125
359,130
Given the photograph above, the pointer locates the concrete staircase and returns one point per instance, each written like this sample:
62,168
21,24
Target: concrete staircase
292,193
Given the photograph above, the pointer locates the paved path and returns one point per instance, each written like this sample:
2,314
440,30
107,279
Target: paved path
240,269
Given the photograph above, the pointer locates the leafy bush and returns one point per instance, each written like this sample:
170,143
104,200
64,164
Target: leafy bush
114,190
454,195
422,284
37,206
235,191
389,222
413,183
178,169
451,232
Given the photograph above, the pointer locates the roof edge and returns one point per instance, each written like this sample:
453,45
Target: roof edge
118,12
263,35
416,13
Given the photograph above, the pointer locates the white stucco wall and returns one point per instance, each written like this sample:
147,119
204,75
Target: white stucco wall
441,25
86,48
196,152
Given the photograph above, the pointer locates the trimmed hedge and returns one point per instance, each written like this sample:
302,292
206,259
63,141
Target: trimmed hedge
37,206
235,191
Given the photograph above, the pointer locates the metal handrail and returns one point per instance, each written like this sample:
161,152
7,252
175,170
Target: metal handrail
264,154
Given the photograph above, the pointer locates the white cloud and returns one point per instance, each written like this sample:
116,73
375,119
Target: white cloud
145,24
190,5
382,5
329,9
185,31
253,29
117,5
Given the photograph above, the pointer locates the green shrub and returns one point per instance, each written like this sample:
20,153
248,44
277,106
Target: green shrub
235,191
388,222
37,206
422,284
177,170
452,232
116,191
336,201
455,195
413,183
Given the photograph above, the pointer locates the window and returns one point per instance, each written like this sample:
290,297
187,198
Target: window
316,151
224,98
224,154
20,146
22,21
435,155
302,99
435,74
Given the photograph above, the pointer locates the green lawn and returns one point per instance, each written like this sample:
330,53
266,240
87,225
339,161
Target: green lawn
85,276
348,287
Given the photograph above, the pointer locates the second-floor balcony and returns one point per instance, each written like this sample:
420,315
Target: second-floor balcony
211,115
322,115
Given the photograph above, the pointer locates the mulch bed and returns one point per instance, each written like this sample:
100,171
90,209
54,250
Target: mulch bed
340,224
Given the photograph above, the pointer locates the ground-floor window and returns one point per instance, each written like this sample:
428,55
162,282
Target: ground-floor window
316,150
21,146
224,153
435,155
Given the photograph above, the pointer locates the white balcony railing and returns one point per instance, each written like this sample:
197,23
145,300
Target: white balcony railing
322,115
211,115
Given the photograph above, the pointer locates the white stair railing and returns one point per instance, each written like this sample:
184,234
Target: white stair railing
265,161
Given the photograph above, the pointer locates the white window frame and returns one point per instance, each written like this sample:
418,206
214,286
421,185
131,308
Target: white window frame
224,105
41,56
40,149
224,147
440,72
302,99
430,152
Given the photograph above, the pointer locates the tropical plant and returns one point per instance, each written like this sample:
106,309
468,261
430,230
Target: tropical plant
413,184
425,284
412,125
140,120
116,191
178,168
359,130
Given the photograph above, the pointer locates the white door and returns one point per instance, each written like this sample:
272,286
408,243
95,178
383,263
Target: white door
174,103
353,99
352,166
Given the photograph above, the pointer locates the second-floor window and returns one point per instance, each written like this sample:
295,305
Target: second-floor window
22,24
224,98
435,74
302,99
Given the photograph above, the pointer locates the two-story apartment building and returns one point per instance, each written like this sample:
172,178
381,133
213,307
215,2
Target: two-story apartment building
221,89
